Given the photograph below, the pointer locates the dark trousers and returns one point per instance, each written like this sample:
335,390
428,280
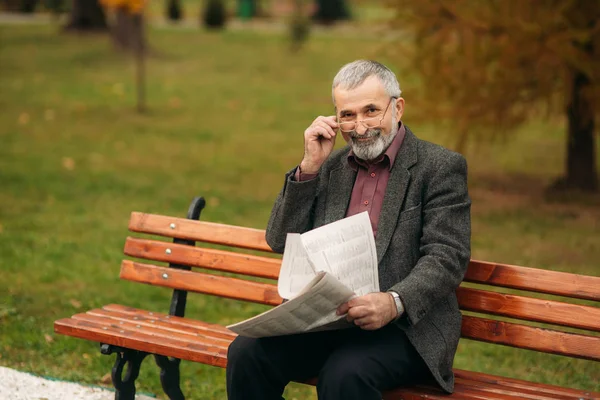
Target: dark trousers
350,364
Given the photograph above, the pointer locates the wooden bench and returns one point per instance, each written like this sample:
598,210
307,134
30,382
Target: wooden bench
133,333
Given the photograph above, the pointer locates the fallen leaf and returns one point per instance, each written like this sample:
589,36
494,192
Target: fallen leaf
75,303
86,356
106,379
68,163
23,118
174,102
49,339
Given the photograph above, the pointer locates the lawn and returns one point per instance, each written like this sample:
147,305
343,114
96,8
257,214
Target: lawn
225,120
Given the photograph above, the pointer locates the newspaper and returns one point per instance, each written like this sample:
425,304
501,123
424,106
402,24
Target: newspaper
321,269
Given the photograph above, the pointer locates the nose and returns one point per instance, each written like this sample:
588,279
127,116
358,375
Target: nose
360,128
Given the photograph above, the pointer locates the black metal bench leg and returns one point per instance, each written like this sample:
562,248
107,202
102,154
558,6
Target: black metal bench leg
169,376
124,385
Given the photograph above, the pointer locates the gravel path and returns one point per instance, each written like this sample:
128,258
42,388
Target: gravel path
15,385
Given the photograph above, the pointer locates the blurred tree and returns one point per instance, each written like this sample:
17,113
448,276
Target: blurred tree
174,10
488,66
86,15
329,11
299,26
214,14
128,34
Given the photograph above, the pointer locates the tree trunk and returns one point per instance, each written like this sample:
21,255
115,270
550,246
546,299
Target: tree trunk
86,16
128,31
581,144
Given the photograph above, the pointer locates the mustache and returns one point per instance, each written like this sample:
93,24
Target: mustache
370,133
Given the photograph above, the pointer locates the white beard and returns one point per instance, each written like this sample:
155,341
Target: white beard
372,149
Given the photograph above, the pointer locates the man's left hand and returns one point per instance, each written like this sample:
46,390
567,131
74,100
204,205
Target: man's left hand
371,311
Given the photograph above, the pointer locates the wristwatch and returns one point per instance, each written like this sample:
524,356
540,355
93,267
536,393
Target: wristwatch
399,305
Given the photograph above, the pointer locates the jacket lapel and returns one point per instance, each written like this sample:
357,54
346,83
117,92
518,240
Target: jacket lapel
395,193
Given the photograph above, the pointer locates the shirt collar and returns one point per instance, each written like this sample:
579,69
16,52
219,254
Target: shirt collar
387,157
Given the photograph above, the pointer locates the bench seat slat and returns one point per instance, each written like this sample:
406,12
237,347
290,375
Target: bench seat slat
527,308
534,279
198,352
519,385
523,393
215,330
232,288
532,338
201,231
152,325
154,331
245,264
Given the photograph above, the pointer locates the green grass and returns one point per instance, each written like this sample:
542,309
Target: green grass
226,116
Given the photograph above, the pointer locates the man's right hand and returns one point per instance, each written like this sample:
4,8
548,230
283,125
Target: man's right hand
319,139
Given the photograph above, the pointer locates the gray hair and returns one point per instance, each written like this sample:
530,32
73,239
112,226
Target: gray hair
355,73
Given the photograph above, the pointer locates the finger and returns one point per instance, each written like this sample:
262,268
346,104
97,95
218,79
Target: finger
370,327
315,131
325,126
358,312
330,120
357,301
343,309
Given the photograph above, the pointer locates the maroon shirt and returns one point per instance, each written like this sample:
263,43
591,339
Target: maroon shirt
371,180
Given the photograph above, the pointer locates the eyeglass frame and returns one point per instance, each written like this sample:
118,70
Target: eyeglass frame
365,119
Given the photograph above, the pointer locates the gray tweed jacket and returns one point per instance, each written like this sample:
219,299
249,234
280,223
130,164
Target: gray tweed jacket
423,237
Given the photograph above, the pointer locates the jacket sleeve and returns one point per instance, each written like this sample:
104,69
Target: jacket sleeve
445,246
293,211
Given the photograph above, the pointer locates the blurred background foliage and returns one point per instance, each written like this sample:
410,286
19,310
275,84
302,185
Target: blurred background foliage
211,99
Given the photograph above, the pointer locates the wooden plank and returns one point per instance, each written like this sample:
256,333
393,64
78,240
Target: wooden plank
529,393
222,286
526,308
164,326
246,264
534,279
199,231
525,386
186,323
532,338
198,352
155,331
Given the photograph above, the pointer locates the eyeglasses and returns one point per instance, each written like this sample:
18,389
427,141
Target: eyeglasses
368,123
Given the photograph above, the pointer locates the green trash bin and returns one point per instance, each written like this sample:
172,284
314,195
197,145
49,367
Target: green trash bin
245,9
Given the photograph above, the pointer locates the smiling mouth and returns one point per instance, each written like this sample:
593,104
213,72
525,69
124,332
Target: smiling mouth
364,139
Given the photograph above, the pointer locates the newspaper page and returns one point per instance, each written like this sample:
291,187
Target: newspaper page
320,270
312,310
346,249
296,271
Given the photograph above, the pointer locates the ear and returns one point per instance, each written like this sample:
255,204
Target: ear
399,108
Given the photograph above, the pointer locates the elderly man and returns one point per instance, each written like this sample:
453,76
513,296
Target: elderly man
416,195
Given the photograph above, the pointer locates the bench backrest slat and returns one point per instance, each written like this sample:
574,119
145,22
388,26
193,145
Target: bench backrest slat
534,279
232,288
245,264
200,231
532,338
531,309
